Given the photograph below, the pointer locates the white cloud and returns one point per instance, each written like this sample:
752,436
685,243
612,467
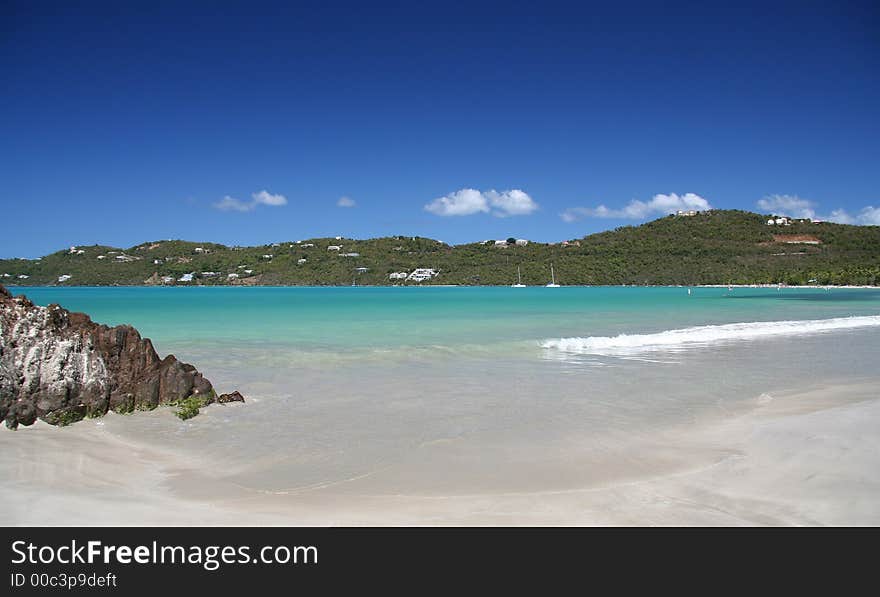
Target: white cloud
260,198
868,216
796,207
346,202
639,210
460,203
465,202
841,217
267,198
232,204
788,205
511,203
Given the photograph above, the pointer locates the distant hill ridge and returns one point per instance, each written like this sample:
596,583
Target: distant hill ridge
714,247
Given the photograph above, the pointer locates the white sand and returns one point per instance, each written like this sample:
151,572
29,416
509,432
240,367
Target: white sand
807,458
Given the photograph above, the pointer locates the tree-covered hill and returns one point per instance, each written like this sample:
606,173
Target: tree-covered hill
715,247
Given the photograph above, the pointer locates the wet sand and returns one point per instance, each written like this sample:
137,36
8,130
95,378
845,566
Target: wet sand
795,458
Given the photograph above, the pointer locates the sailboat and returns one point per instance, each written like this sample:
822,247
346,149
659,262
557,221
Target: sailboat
552,283
519,283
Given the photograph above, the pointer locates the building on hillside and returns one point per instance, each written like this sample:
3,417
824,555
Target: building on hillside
421,274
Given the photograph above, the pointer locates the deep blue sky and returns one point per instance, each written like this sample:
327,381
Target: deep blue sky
123,122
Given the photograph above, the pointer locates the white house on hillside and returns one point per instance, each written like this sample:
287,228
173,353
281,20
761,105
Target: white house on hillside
421,274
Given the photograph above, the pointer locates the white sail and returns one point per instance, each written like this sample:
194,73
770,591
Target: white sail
552,283
519,283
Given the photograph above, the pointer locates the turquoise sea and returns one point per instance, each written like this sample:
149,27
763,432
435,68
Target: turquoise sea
342,382
361,320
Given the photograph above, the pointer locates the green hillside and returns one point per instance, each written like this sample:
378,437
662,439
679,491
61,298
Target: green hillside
715,247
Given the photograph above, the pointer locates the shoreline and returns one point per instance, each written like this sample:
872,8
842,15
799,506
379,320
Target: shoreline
796,287
792,457
799,287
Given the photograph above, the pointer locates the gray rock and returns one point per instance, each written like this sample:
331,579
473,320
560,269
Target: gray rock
61,367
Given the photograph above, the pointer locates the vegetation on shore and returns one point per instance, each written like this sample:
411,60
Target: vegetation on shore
189,407
715,247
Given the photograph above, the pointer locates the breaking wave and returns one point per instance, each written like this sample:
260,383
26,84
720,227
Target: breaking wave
671,340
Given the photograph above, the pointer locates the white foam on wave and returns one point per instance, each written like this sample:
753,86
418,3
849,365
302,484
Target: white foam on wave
703,335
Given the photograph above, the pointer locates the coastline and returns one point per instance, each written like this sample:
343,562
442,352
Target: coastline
800,287
791,458
793,286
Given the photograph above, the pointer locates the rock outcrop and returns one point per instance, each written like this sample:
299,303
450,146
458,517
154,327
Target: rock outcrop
60,367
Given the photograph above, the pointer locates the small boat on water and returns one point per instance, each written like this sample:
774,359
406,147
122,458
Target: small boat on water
552,283
519,283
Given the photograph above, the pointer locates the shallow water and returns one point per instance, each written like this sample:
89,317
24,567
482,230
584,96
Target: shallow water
424,390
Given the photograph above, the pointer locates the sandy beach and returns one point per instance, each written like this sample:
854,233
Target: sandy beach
794,458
